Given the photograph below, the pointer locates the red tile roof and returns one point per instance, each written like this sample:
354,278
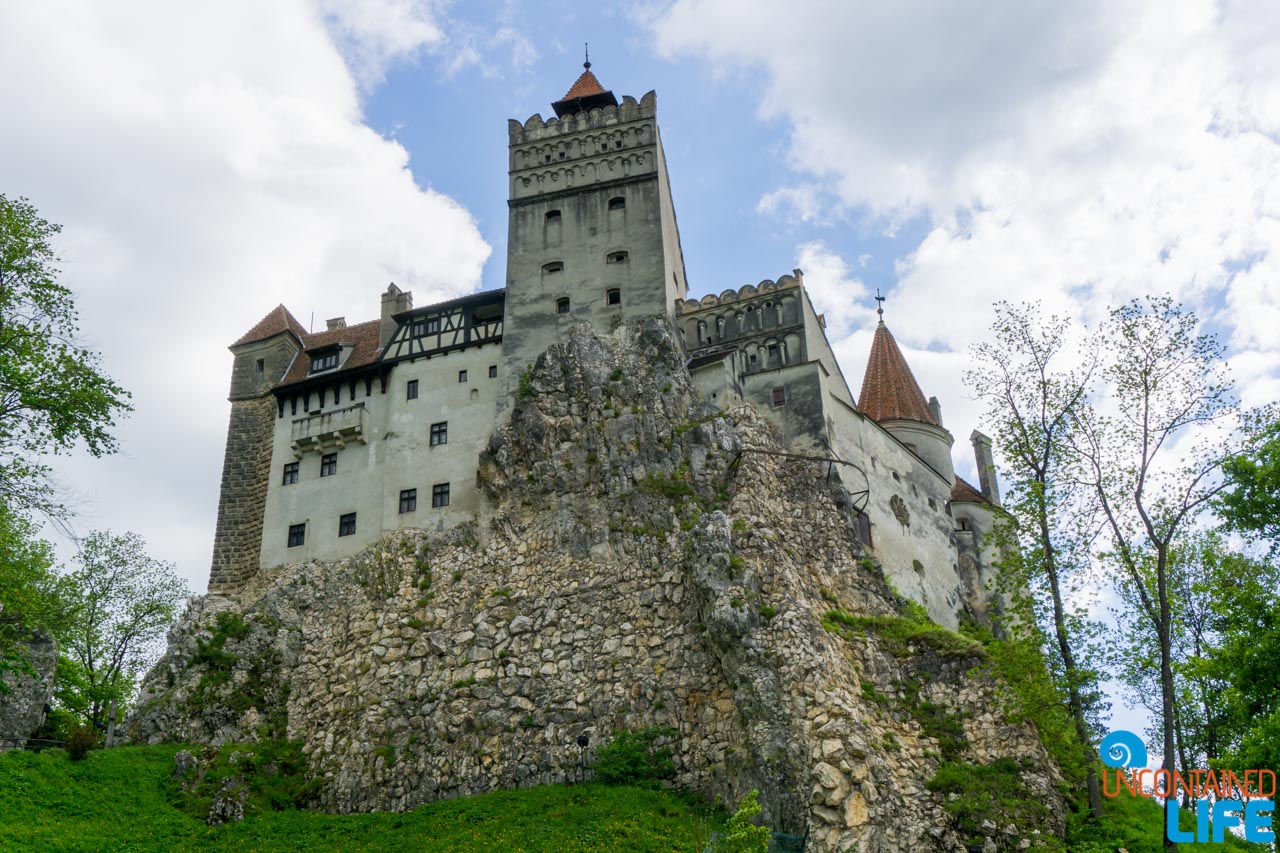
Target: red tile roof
586,85
278,320
362,336
889,390
963,492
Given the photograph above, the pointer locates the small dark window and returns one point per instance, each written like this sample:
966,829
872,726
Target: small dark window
297,534
440,495
613,296
553,216
618,202
440,433
615,258
553,267
780,396
324,362
561,155
462,376
562,305
328,464
290,473
347,524
428,326
493,371
617,143
773,352
262,365
408,500
411,390
753,358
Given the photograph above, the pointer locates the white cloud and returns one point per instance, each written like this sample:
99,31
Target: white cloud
1082,152
373,34
207,162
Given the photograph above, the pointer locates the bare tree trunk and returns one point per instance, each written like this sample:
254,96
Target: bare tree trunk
1166,669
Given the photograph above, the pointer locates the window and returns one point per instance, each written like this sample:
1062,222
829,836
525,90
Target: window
408,500
462,376
553,216
562,305
262,365
615,258
297,534
440,433
328,361
780,396
613,296
290,473
553,267
618,202
347,524
426,326
328,464
773,352
411,390
439,495
493,371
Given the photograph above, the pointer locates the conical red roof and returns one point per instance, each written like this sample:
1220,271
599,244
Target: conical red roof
278,320
889,390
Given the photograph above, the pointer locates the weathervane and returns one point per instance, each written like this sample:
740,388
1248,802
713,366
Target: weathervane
880,305
586,55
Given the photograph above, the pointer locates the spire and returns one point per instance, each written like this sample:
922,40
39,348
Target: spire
585,94
889,390
880,306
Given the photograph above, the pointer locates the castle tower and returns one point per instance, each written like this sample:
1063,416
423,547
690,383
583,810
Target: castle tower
592,231
262,356
892,397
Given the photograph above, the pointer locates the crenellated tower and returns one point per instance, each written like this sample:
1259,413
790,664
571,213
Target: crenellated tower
592,233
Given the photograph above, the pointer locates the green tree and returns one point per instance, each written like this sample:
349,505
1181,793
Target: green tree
124,601
53,394
1152,460
32,595
1034,386
1251,503
740,834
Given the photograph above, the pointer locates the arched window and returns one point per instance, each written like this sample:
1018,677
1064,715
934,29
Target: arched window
562,305
613,296
553,216
554,266
615,258
617,203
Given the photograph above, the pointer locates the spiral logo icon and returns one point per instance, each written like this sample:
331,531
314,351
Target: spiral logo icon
1123,749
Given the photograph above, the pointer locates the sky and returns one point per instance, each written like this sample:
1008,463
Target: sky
209,161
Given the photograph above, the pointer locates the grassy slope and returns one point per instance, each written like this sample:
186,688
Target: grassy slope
118,800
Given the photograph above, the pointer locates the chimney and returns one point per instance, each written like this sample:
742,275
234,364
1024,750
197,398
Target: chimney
935,409
336,323
394,301
986,467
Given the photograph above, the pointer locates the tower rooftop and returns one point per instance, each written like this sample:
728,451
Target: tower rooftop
585,94
889,389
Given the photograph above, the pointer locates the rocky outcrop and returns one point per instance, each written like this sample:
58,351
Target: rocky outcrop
650,561
27,689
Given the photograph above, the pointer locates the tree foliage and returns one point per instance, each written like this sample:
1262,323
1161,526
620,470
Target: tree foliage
32,595
53,394
1034,386
1251,503
124,601
640,758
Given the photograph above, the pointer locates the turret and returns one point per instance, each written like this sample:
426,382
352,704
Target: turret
892,397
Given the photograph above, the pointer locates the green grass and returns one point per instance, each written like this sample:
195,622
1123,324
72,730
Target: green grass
900,632
120,800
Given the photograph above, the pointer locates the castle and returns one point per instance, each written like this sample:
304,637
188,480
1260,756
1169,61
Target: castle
339,436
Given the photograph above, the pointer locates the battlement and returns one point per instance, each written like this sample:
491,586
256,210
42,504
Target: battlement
747,291
536,127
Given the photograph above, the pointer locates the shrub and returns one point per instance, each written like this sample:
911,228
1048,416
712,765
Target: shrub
740,834
80,741
636,758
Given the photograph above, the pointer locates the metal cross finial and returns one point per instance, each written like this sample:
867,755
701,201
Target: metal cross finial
880,305
586,55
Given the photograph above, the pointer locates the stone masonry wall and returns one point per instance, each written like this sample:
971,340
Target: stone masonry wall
243,498
645,565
